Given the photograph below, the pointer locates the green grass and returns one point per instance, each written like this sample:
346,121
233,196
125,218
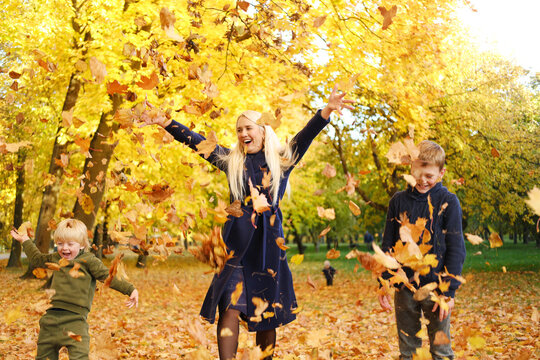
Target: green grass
515,257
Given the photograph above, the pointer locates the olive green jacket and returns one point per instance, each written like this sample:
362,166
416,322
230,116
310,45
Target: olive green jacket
75,293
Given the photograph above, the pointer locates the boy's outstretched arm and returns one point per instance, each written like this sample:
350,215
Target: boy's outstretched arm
19,237
133,299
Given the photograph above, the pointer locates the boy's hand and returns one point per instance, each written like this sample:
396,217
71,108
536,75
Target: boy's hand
133,299
19,237
444,313
336,102
384,300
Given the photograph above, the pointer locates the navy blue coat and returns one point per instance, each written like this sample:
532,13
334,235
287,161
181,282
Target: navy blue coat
256,248
447,233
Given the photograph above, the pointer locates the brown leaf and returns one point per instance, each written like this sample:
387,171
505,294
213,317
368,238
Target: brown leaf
206,147
388,15
244,5
159,193
424,291
260,202
14,75
311,283
74,336
319,21
113,269
98,69
329,171
495,153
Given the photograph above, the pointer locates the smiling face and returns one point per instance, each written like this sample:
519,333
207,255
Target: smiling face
250,135
426,175
68,249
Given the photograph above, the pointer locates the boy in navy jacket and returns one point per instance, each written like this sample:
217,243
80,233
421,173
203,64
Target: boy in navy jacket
448,246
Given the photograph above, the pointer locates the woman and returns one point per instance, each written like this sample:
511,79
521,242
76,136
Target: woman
258,263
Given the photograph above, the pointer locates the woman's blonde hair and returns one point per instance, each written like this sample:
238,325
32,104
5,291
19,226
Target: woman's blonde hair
278,157
72,230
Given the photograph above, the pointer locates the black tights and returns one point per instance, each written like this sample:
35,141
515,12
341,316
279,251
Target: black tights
228,345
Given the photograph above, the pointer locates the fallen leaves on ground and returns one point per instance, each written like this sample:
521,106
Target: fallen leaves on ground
493,317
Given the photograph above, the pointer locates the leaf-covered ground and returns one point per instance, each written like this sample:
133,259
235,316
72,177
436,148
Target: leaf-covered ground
496,317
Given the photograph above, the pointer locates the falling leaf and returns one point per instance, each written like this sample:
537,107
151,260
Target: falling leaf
267,177
98,69
74,336
206,147
323,213
14,75
52,266
148,82
167,20
269,119
329,171
355,209
235,209
410,179
297,259
325,231
422,293
333,254
74,272
534,200
159,193
226,332
474,239
495,153
504,269
113,269
443,207
402,153
116,88
310,282
384,259
26,228
319,21
237,293
387,15
281,243
212,250
260,305
40,273
260,202
495,240
244,5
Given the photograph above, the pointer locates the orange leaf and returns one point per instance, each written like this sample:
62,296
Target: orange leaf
355,209
325,231
74,336
495,240
319,21
113,269
495,153
52,266
281,243
40,273
74,272
237,292
98,69
116,88
148,83
333,254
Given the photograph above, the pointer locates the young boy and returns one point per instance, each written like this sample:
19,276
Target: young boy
329,273
448,245
74,284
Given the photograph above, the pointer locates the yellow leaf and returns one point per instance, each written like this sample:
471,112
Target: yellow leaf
477,342
410,179
297,259
13,315
226,332
260,305
384,259
206,147
237,292
422,353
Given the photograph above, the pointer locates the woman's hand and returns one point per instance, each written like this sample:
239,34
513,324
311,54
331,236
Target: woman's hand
336,102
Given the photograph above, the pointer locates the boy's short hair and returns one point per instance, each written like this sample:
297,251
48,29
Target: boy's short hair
432,153
72,230
326,263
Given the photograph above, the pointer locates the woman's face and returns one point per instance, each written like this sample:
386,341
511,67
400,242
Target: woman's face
250,135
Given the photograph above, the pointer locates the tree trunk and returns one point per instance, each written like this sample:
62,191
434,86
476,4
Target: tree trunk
95,167
50,194
97,242
16,248
141,261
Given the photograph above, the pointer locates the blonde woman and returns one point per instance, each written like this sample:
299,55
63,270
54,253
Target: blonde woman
258,263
